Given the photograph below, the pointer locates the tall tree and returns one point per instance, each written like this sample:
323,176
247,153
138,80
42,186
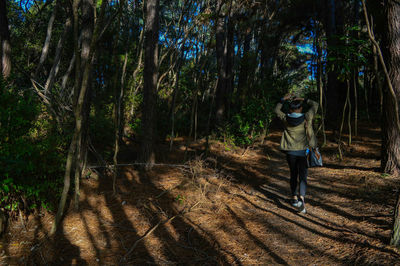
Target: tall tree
74,152
335,89
150,81
5,40
390,134
220,39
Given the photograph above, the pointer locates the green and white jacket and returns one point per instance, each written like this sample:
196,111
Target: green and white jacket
301,136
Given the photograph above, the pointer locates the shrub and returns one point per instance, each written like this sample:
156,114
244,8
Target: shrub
31,153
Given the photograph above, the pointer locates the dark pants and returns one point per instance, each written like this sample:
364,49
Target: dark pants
298,172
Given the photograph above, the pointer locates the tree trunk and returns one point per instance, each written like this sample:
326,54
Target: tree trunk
118,94
220,102
320,83
137,84
5,40
244,68
150,82
54,69
46,45
74,154
83,106
377,81
395,239
335,89
230,55
390,135
67,183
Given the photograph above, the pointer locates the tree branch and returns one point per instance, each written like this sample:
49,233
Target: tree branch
389,82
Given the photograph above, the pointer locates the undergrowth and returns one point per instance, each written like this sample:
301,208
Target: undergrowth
31,154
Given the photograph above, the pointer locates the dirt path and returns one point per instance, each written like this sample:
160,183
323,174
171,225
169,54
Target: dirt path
228,209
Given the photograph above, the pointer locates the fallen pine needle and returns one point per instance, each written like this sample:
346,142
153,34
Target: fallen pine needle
155,227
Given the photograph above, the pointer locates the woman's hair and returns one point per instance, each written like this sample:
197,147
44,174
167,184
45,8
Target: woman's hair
294,105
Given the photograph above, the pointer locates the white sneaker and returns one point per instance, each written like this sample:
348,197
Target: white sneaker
295,203
302,207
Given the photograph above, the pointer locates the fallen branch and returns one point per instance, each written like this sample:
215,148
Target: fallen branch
131,164
168,190
151,230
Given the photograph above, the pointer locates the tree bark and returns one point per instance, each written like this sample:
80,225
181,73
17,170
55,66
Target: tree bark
244,67
118,95
150,82
5,40
74,154
46,45
395,239
54,69
390,135
230,55
320,83
220,102
83,105
335,89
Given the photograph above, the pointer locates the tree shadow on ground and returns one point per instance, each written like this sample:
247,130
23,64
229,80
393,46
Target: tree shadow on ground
274,183
360,168
42,248
106,227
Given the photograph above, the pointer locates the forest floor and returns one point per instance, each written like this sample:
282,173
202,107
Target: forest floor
231,208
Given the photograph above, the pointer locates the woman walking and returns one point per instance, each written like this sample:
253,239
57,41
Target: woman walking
297,136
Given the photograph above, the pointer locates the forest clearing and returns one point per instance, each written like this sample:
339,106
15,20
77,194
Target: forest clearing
199,132
233,209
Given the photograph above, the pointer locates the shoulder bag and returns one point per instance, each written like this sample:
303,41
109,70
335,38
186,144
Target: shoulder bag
314,157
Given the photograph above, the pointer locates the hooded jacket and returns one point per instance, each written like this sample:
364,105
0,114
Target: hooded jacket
294,136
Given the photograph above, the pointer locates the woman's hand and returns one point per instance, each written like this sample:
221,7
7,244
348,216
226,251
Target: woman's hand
299,99
288,96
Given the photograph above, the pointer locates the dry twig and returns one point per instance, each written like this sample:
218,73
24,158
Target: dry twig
151,230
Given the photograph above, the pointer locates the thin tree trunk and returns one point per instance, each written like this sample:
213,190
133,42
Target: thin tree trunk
118,94
57,59
67,182
74,152
46,45
5,40
70,157
82,105
377,79
174,96
195,118
209,118
341,126
320,84
65,77
366,88
349,111
220,101
136,72
355,85
230,55
244,68
118,121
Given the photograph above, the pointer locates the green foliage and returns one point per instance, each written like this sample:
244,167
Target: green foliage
31,154
102,125
180,199
136,125
352,52
250,122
